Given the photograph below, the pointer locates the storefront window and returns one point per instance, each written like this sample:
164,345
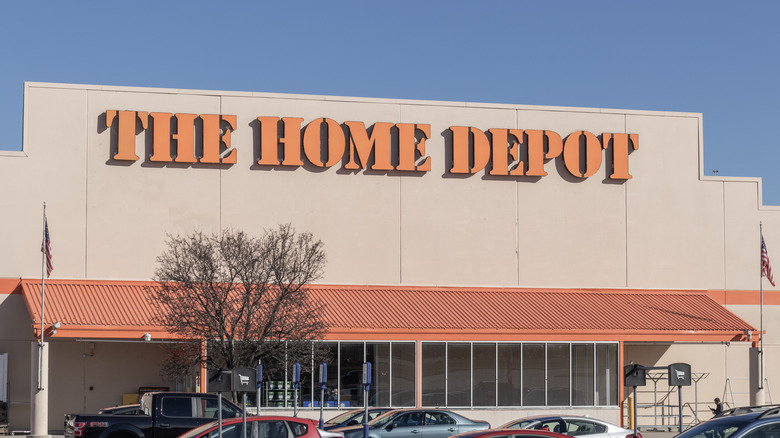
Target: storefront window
454,374
379,356
533,375
351,374
484,374
583,374
510,374
606,374
434,377
332,385
558,375
403,374
458,374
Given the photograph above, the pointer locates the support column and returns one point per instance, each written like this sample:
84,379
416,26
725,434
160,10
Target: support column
39,391
756,385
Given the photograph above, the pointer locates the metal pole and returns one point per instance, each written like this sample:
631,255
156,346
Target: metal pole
635,418
679,405
323,382
43,299
295,400
761,318
365,414
258,394
219,413
366,384
243,417
296,384
322,405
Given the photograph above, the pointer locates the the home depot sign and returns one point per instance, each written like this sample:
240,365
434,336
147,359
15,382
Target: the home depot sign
384,146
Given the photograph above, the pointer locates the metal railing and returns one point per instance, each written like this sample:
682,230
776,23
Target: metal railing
729,393
662,412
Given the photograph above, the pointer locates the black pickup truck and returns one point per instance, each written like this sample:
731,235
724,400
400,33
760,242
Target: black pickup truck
165,415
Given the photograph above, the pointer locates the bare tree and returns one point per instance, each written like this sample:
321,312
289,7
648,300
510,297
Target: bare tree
241,295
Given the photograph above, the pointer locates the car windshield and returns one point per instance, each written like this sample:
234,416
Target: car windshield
519,424
342,418
718,428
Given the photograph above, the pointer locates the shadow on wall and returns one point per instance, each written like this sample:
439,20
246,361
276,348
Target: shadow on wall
647,355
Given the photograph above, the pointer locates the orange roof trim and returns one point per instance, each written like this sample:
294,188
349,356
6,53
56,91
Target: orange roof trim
123,310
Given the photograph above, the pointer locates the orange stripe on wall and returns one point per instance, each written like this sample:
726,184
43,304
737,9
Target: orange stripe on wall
746,297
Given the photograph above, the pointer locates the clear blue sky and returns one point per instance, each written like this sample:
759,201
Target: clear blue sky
714,57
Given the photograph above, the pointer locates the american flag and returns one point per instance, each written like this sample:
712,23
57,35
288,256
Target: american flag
46,248
766,269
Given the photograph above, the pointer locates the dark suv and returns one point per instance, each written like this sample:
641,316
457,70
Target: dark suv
751,422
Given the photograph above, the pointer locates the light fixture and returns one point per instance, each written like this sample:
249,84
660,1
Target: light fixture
147,337
54,328
749,334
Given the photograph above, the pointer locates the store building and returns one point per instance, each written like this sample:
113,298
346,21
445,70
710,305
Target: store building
498,260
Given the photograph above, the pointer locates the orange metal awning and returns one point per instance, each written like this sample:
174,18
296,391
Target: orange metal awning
123,310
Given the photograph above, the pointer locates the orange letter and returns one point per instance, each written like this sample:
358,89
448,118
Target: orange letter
411,154
125,149
269,141
571,154
502,150
161,146
461,151
620,153
536,155
312,143
212,140
185,138
292,141
361,145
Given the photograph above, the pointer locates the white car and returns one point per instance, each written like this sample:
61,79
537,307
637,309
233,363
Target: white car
572,425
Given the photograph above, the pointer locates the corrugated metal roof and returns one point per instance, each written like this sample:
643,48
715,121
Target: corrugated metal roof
120,308
523,309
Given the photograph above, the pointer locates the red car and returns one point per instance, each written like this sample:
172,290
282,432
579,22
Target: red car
511,433
263,427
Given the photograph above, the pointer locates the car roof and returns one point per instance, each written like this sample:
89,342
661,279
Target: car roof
265,417
561,417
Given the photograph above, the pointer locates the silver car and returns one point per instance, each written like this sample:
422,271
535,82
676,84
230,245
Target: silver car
414,423
572,425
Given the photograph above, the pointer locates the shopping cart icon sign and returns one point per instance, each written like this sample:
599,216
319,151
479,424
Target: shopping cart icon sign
245,379
680,374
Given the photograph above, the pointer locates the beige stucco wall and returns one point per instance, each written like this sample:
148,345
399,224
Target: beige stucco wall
665,228
668,227
16,339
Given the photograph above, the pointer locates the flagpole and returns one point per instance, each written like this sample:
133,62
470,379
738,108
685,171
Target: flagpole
761,312
43,297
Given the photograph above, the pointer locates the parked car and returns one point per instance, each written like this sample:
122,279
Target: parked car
165,415
510,433
134,409
571,425
409,423
353,417
263,427
750,422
